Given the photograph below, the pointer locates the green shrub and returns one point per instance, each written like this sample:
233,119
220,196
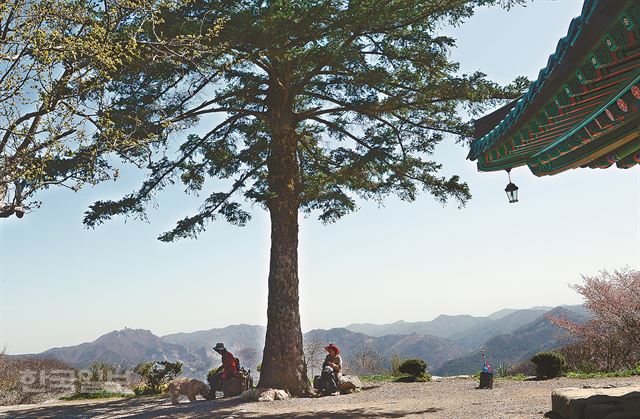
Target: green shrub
587,367
414,367
549,364
154,375
144,391
503,370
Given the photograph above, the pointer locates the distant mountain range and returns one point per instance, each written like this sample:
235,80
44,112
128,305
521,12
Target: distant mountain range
517,346
449,344
128,347
467,332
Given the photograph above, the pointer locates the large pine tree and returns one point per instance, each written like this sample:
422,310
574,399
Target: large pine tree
312,104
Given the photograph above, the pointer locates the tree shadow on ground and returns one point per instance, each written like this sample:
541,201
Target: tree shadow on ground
340,414
161,408
128,407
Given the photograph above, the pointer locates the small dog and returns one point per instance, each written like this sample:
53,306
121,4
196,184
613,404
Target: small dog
189,387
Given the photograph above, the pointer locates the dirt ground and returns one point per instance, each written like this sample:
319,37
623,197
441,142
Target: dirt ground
447,399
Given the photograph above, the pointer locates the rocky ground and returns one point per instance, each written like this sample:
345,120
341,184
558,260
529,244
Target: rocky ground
447,399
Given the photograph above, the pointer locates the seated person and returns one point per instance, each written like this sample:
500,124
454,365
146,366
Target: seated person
331,370
227,370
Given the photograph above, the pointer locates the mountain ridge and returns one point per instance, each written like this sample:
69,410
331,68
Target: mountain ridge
454,351
518,346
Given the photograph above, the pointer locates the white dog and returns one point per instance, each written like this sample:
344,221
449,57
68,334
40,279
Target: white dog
189,387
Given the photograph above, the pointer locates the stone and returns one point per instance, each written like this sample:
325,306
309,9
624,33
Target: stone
623,415
628,409
600,410
265,395
595,403
350,384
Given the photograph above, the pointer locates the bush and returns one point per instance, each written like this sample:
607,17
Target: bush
14,391
102,371
587,367
608,341
549,364
503,370
527,368
395,363
414,367
154,375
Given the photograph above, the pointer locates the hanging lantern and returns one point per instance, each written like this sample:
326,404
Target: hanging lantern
511,190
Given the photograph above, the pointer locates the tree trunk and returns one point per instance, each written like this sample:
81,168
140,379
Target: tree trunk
283,363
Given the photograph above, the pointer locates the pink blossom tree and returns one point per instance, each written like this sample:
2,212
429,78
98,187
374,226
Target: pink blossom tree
610,340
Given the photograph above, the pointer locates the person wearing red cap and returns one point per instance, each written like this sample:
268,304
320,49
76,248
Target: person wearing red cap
331,371
333,358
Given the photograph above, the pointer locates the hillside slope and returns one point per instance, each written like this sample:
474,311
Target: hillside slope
510,349
127,348
474,337
436,351
443,326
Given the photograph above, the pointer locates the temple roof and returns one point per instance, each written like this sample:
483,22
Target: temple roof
583,110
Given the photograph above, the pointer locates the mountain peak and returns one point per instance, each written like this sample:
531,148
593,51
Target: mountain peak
129,332
454,316
128,335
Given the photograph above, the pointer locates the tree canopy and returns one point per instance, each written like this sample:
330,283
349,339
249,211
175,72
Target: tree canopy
366,86
56,57
609,339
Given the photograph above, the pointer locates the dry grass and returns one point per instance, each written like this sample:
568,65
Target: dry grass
12,390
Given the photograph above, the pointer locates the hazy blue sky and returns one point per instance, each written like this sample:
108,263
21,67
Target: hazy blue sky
63,285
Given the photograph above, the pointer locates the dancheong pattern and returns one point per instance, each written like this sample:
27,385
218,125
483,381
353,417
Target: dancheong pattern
584,108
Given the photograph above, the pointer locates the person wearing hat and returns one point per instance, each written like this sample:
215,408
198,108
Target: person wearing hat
228,369
331,371
229,362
